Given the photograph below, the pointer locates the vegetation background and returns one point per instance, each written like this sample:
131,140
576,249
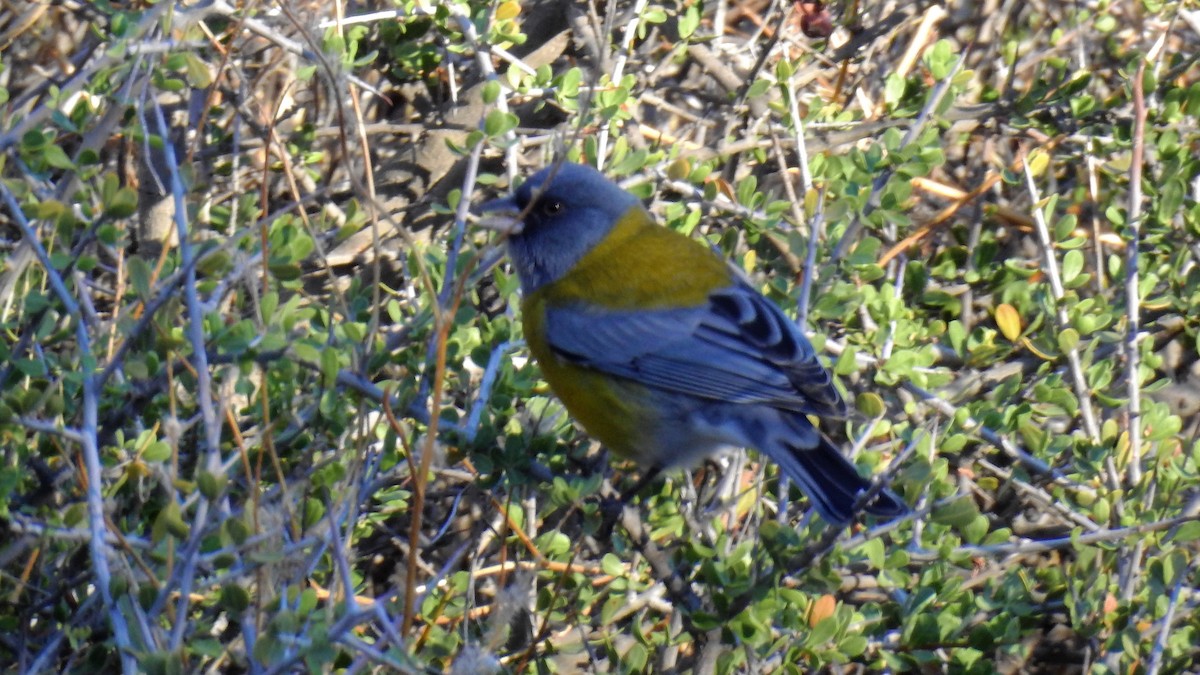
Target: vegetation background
264,405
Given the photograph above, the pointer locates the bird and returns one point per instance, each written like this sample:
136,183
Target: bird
660,348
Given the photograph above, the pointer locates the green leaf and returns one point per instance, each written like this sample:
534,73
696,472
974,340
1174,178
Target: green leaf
689,21
139,276
1187,532
941,59
976,530
198,73
1065,227
568,86
1068,339
234,598
169,522
635,658
958,513
57,158
823,632
329,367
893,89
873,550
122,203
211,485
759,88
847,362
499,123
157,451
491,91
612,565
1072,265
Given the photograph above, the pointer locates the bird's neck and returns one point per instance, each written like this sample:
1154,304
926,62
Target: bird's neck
641,265
546,256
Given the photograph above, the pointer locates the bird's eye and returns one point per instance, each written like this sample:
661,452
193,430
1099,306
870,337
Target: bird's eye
551,207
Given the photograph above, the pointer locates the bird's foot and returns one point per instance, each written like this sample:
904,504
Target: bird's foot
611,508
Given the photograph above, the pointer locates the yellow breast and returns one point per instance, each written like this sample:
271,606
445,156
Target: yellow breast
602,404
639,265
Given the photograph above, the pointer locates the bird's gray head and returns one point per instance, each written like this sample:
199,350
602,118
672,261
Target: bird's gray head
555,218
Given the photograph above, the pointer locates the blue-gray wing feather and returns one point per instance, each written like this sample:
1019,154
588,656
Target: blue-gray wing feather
738,348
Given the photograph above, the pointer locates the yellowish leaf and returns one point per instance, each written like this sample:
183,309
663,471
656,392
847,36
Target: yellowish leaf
1038,160
680,169
1008,321
508,10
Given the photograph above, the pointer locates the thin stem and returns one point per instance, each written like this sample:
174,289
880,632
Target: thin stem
1056,288
1133,301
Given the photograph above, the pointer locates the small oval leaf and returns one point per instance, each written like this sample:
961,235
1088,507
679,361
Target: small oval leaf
1068,339
822,608
869,404
1008,321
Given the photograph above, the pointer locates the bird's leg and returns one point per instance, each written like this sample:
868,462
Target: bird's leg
612,508
649,476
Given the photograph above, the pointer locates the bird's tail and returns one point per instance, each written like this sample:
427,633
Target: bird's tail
829,480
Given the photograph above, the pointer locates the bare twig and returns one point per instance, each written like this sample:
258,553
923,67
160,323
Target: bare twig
1133,385
1082,392
98,543
184,576
1154,663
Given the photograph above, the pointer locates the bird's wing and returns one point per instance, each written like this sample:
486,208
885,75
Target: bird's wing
739,347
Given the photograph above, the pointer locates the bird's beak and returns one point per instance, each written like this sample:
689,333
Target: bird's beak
502,215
